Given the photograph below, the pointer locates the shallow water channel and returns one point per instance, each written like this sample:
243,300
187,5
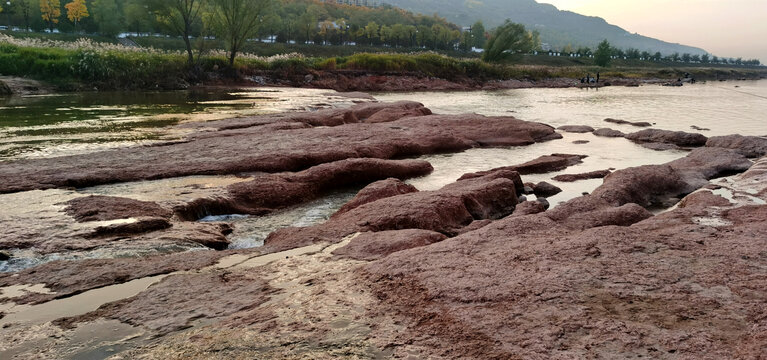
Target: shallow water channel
75,123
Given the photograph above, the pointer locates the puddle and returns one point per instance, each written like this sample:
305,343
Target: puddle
79,304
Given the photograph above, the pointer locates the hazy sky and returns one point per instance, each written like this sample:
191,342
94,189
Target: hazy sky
732,28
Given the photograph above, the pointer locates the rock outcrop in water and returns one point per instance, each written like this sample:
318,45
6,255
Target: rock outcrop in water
376,191
276,144
466,271
607,132
266,193
598,174
678,138
540,165
446,211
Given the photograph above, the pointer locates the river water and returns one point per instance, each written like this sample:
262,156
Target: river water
75,123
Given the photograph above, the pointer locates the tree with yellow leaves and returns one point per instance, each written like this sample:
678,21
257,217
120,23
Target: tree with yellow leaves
76,11
50,11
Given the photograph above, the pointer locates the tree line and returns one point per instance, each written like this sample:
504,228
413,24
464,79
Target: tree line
286,21
299,21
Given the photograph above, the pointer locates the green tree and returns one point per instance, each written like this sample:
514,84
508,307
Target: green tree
236,21
478,35
603,54
24,9
108,17
508,42
137,16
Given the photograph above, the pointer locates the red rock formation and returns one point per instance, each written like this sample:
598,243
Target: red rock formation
100,208
375,245
749,146
541,165
576,128
582,176
253,149
606,132
678,138
266,193
447,210
376,191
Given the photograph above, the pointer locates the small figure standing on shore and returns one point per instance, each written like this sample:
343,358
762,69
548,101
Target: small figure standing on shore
597,77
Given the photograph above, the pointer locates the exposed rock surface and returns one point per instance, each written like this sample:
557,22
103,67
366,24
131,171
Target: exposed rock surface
528,208
65,278
749,146
678,138
624,122
582,176
541,165
268,192
375,245
446,211
578,286
607,132
576,128
101,208
178,300
251,148
376,191
544,189
660,146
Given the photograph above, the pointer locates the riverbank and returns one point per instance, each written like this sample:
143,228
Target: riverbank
398,271
88,66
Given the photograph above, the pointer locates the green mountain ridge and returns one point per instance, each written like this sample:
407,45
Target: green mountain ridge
557,27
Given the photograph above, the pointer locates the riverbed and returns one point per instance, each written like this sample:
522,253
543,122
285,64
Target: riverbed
67,124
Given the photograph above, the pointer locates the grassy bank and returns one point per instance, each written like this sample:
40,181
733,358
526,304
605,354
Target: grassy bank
85,64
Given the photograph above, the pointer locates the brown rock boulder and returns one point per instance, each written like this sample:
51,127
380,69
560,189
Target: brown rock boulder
101,208
544,189
528,208
176,301
624,122
678,138
582,176
748,146
607,132
445,211
268,192
540,165
659,146
576,128
375,191
371,246
703,198
257,149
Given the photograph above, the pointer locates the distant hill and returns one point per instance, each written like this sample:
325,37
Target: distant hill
558,28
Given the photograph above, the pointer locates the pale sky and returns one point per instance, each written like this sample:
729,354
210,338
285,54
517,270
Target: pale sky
731,28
